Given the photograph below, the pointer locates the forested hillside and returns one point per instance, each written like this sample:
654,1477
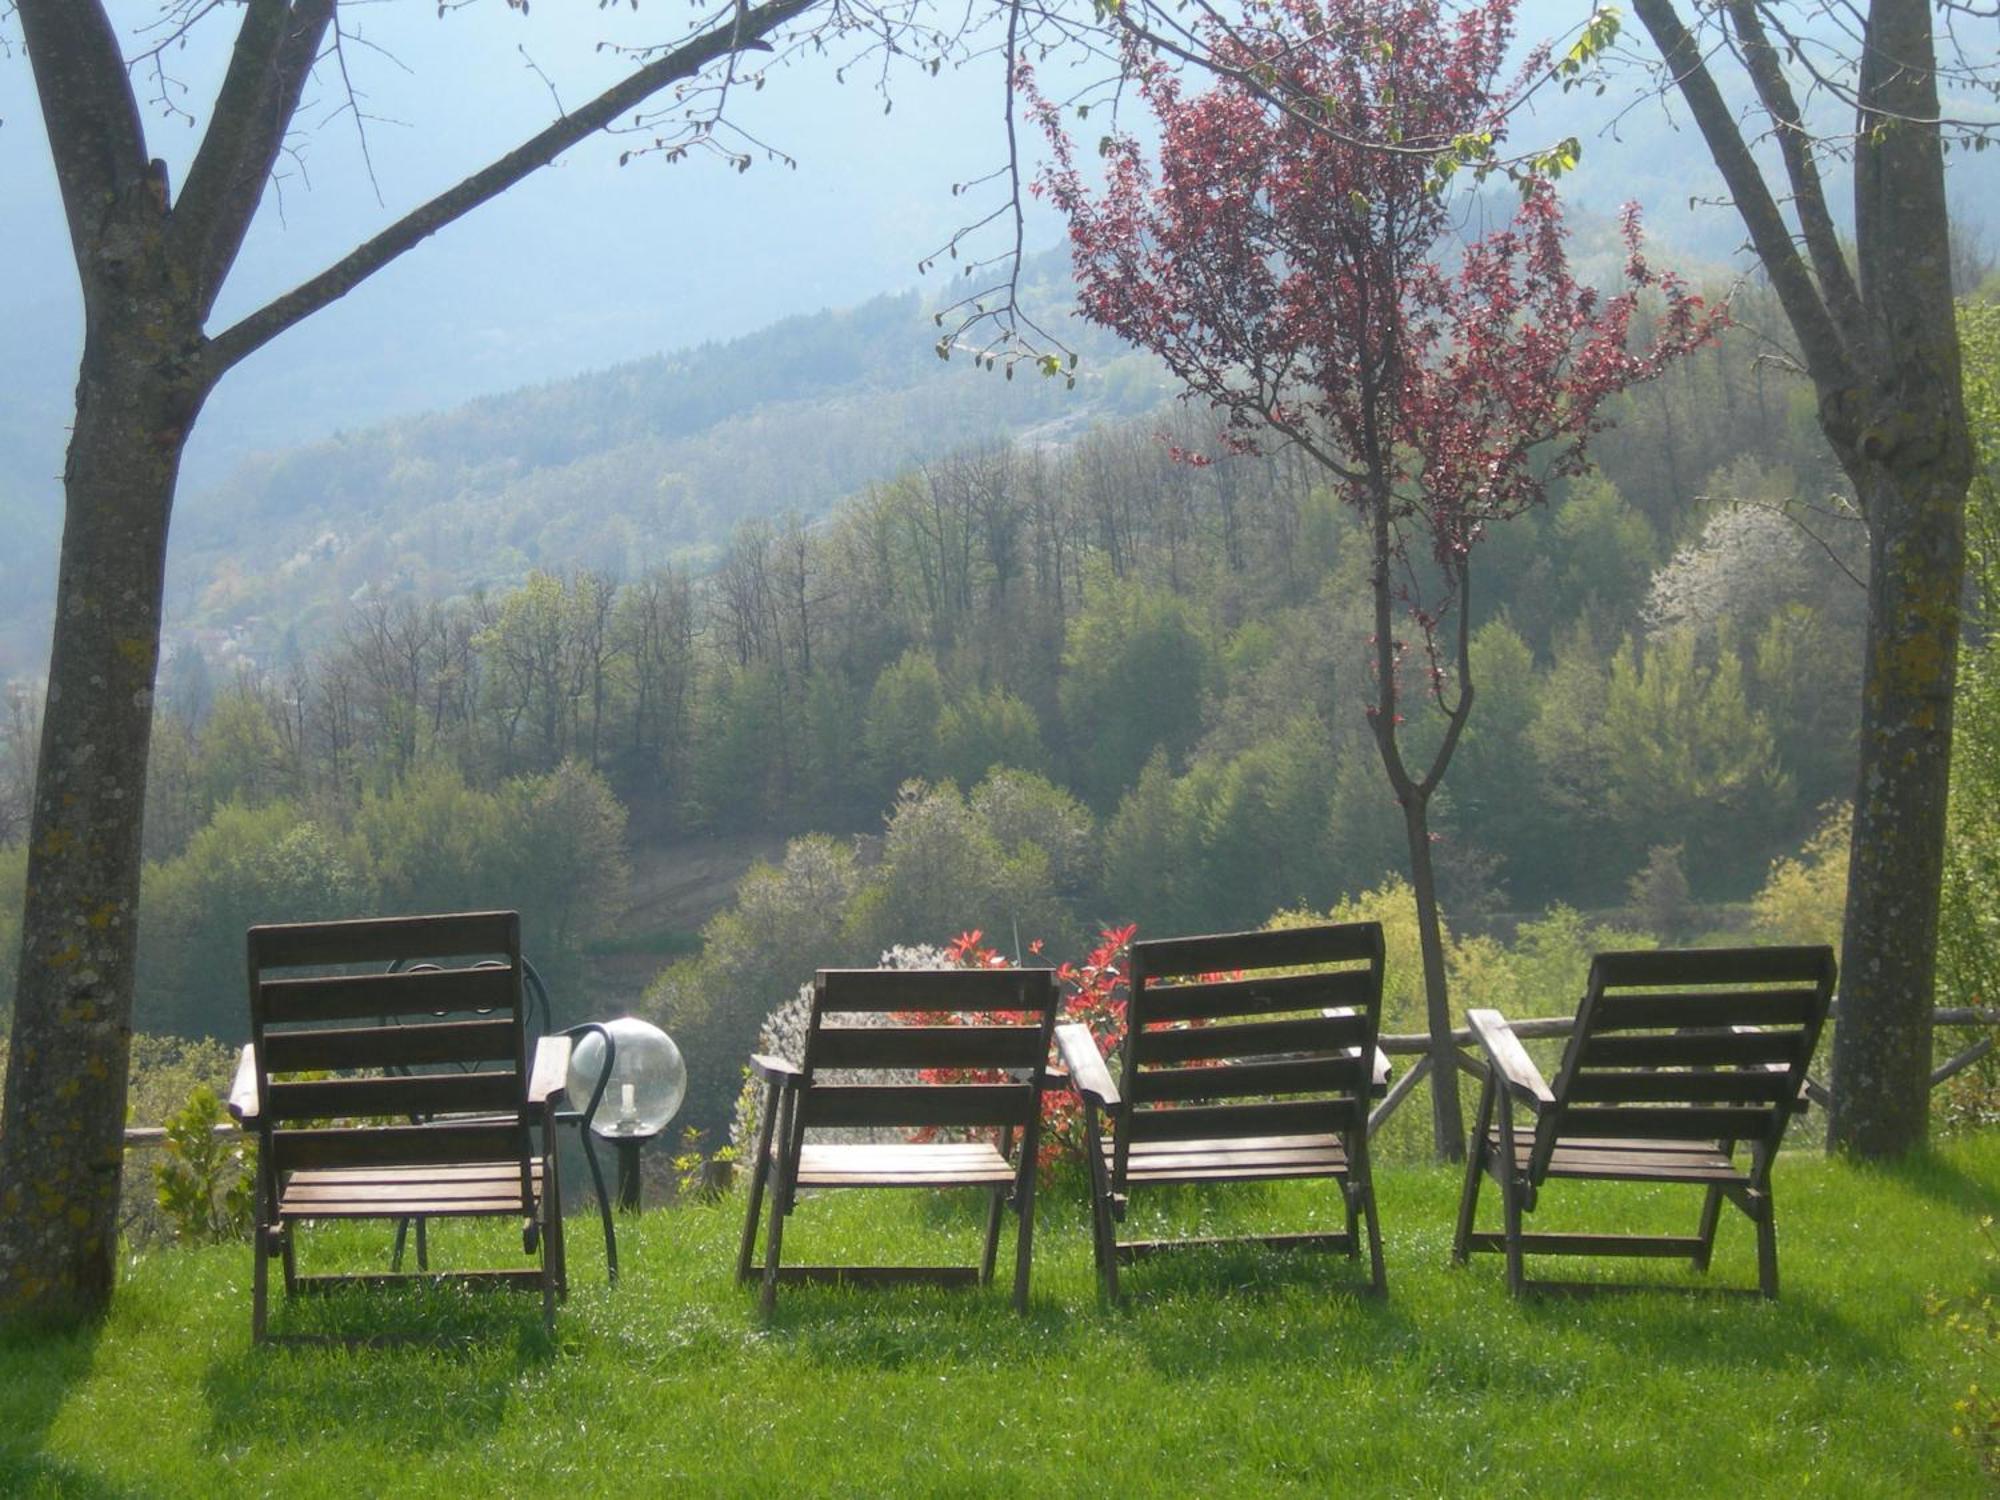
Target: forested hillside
1032,687
645,464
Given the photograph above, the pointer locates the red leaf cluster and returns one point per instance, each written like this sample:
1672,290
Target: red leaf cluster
1292,256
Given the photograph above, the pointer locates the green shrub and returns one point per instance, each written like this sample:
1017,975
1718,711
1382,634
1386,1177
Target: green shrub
204,1182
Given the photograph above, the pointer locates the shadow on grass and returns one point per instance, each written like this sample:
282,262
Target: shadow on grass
1934,1176
404,1368
38,1370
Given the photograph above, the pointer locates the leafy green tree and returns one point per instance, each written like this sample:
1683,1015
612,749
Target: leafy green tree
1687,755
1604,551
900,729
237,754
568,870
980,731
250,865
1802,897
943,871
1151,850
1495,801
1135,666
1264,829
1572,763
1022,809
435,843
737,765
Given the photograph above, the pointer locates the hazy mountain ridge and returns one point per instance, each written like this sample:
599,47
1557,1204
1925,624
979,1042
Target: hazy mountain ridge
617,470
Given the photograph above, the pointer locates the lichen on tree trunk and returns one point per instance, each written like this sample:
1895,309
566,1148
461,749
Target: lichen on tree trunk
1882,1045
62,1140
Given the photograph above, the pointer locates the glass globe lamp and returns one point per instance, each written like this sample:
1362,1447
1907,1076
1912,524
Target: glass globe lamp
647,1083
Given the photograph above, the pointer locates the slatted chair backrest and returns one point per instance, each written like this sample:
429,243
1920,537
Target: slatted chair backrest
986,1022
1218,1047
442,1036
1689,1044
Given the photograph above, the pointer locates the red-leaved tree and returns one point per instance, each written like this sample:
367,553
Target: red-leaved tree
1291,255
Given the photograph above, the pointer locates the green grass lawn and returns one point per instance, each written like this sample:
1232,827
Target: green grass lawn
1225,1372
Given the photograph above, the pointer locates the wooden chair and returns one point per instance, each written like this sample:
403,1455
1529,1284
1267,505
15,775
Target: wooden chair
320,1154
1001,1033
1677,1057
1238,1079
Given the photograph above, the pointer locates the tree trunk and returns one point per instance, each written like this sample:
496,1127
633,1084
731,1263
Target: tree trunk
62,1139
1447,1120
1882,1046
1909,454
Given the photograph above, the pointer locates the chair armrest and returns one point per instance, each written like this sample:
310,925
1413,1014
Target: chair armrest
245,1101
549,1080
1088,1075
1509,1058
775,1069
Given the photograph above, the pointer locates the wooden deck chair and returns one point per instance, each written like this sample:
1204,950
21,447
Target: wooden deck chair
860,1077
1678,1057
1238,1079
315,1012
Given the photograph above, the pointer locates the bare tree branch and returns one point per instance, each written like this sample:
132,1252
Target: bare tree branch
744,28
1825,347
274,54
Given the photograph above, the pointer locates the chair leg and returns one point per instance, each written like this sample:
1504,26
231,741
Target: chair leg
423,1245
1767,1242
758,1174
1024,1205
1103,1237
260,1281
1350,1194
396,1249
1475,1169
1711,1211
1378,1278
555,1253
1510,1204
774,1234
996,1205
287,1243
